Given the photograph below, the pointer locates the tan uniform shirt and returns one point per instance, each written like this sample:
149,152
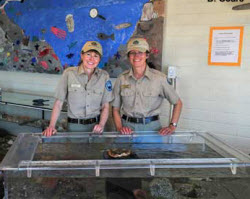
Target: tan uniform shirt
143,97
85,98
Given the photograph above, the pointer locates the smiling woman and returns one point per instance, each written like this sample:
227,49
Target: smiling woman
139,93
88,93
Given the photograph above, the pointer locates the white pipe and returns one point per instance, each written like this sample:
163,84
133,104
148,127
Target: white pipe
7,1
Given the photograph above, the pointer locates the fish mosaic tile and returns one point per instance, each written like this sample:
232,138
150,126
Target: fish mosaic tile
64,26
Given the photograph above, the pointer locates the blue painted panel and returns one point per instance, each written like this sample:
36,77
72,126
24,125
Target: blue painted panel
40,14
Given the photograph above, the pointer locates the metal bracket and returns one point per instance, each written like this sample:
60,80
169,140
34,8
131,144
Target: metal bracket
29,171
170,139
90,138
190,138
97,169
152,169
233,168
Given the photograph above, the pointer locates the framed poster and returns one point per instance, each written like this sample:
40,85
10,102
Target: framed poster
225,44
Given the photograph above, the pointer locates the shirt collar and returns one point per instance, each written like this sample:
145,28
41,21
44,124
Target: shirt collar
81,71
147,73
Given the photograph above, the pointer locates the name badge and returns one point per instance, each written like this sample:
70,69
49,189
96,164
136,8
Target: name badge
75,85
125,86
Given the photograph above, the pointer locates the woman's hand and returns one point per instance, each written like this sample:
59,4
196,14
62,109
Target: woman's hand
125,130
49,131
98,128
167,130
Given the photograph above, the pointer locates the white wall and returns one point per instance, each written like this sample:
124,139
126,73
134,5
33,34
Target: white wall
31,83
216,98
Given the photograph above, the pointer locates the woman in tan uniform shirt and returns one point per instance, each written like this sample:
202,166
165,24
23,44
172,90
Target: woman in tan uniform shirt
88,91
139,93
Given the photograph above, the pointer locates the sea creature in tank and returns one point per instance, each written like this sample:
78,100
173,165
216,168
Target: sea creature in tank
118,152
70,22
122,26
61,34
103,36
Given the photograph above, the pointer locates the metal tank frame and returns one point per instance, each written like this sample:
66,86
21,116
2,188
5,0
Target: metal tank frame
19,161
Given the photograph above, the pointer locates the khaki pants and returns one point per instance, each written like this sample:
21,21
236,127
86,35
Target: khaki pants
145,128
88,128
152,126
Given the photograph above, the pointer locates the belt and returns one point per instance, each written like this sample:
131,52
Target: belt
84,121
144,120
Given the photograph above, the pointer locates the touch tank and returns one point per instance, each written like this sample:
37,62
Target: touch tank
79,165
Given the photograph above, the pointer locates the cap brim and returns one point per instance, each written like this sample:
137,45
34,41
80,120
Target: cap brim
141,49
94,50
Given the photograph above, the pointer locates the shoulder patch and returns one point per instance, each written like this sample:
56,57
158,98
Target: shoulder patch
108,85
169,81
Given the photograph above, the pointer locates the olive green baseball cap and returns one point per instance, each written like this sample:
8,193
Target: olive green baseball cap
92,45
139,44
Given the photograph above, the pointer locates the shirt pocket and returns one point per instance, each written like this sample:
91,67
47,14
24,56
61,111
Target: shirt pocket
75,95
128,97
96,98
74,89
150,99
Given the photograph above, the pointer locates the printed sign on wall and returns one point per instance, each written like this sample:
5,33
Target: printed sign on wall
225,44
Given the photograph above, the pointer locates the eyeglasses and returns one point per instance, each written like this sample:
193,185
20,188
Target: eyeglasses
133,53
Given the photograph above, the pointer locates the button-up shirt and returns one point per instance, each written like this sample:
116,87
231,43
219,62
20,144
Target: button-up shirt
85,98
142,97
